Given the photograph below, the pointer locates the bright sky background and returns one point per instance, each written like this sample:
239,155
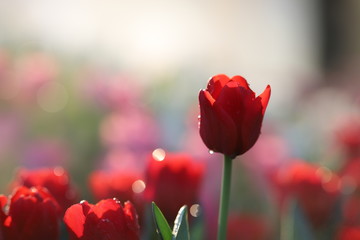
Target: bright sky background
268,41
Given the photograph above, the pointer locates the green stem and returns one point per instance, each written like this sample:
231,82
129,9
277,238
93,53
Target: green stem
224,198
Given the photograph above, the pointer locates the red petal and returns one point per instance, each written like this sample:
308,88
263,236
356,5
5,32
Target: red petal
242,82
245,111
217,129
74,218
131,217
216,83
265,96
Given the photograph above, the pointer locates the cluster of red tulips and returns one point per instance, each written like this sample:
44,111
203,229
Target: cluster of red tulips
312,201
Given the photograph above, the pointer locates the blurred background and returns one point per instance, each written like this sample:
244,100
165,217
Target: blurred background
90,85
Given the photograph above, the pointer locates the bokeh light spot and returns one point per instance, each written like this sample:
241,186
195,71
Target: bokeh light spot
159,154
195,210
138,186
52,97
59,171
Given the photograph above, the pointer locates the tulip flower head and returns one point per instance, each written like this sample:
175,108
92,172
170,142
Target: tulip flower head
173,181
29,213
106,220
56,180
231,115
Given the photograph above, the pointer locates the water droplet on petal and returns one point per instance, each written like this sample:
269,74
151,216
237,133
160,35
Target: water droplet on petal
105,220
211,151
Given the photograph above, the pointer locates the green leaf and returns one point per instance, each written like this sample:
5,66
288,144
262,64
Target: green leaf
181,225
162,226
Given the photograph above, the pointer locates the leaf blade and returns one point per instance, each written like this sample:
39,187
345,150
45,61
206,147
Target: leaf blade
162,226
181,225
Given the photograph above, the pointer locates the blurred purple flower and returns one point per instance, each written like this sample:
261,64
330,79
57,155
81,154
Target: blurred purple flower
45,153
10,129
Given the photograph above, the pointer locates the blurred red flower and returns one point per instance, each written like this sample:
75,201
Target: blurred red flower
349,233
106,220
231,115
247,227
121,185
56,180
31,214
315,188
125,186
173,180
348,136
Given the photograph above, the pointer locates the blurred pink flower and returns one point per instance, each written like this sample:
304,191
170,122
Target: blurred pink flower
11,130
31,71
134,130
111,91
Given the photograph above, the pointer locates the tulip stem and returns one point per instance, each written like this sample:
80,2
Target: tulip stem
224,198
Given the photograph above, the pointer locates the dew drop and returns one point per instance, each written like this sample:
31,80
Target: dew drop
211,151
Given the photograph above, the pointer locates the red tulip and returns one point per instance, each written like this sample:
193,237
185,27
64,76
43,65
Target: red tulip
106,220
125,186
56,180
31,214
120,185
247,227
316,189
231,115
173,181
349,233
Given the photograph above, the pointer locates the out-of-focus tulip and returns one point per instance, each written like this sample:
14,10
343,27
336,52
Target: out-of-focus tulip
315,188
172,180
247,227
122,185
349,233
106,220
348,136
31,214
231,115
56,180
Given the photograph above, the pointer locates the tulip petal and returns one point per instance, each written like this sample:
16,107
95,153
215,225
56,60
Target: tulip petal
216,83
131,216
74,219
265,96
217,129
241,105
241,81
